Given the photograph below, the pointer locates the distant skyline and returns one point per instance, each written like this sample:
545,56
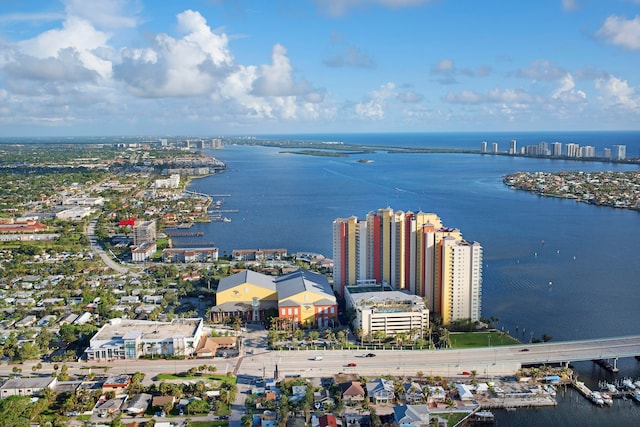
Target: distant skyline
243,67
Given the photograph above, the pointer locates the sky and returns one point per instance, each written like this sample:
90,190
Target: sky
259,67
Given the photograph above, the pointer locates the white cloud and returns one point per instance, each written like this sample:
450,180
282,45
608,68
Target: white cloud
615,92
409,96
106,14
566,91
621,32
352,56
542,70
570,5
76,33
495,95
373,108
340,7
178,67
444,66
276,79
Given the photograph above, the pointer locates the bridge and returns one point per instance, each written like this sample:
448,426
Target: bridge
486,361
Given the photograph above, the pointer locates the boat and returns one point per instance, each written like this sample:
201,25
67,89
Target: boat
596,398
607,399
636,395
226,219
628,384
551,390
484,416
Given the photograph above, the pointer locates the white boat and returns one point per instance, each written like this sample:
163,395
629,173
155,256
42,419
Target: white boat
551,390
612,388
636,395
596,398
628,384
607,399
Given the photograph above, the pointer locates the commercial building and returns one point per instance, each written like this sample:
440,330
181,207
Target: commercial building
306,298
380,309
619,152
144,232
26,386
247,294
190,255
131,339
299,298
412,252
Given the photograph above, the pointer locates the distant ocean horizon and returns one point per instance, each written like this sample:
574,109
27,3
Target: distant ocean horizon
454,140
472,140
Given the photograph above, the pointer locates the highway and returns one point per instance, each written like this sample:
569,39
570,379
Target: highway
259,362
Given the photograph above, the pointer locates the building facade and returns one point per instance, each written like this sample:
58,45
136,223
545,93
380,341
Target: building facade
412,252
388,311
131,339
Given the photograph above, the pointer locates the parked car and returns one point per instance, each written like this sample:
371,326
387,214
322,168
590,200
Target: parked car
351,364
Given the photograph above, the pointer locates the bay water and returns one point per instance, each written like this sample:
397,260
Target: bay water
551,266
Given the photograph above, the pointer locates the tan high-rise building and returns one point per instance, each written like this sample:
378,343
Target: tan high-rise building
413,252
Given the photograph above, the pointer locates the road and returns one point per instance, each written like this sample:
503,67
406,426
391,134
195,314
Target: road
97,249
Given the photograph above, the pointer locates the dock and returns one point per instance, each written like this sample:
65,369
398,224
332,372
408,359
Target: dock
175,233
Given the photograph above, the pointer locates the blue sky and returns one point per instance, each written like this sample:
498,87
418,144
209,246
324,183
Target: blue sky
237,67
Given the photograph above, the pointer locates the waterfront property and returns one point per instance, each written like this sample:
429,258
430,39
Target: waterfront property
131,339
412,252
380,309
300,297
247,295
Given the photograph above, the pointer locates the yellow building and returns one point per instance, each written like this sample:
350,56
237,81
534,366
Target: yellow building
246,294
305,297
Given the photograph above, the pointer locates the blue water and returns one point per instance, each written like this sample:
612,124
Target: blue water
590,254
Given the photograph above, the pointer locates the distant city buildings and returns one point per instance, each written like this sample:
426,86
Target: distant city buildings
556,149
619,152
412,252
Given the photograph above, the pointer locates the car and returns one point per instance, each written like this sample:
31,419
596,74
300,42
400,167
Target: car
317,358
351,364
370,355
525,349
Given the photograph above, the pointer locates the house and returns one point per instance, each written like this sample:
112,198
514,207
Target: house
116,382
322,398
380,391
138,404
411,415
162,401
465,391
209,346
26,386
329,420
107,407
352,391
413,393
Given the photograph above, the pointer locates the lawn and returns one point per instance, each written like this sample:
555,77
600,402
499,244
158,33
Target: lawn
480,339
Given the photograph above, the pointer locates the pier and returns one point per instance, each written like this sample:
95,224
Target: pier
191,244
174,233
607,365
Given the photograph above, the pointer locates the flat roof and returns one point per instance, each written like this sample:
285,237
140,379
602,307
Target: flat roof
119,328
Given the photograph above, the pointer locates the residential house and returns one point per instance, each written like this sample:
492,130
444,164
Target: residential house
412,415
116,383
352,391
329,420
380,391
26,386
412,392
138,404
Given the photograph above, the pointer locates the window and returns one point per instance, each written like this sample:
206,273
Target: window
295,310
